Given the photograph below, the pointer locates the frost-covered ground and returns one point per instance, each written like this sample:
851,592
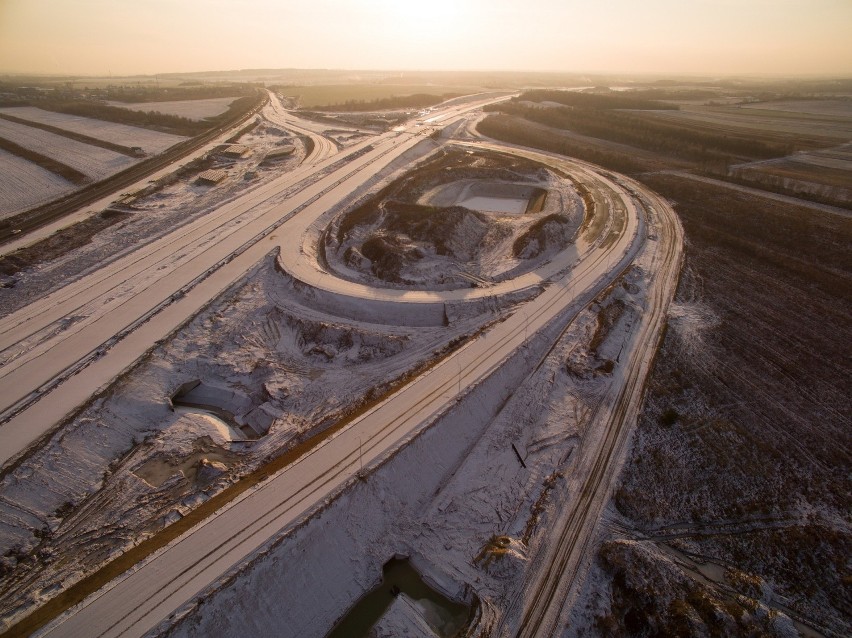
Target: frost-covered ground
24,184
458,501
192,109
414,234
163,206
146,139
93,161
128,464
732,512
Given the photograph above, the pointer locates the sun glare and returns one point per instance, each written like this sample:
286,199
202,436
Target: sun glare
436,22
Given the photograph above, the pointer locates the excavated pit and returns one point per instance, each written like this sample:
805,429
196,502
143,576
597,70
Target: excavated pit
460,220
238,410
506,198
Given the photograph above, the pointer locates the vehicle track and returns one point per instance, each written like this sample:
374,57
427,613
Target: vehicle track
557,573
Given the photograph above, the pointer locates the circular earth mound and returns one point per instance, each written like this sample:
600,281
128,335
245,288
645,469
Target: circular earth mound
459,220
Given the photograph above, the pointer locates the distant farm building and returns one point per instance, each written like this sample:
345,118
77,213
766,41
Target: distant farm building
213,176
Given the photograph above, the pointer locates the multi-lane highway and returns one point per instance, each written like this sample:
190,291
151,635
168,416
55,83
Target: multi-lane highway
106,321
49,218
323,148
143,598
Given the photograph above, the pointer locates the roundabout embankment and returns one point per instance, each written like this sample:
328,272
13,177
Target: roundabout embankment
318,285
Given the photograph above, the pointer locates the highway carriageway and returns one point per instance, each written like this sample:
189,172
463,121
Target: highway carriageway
142,598
103,323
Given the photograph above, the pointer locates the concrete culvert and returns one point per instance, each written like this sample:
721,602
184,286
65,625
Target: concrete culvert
245,413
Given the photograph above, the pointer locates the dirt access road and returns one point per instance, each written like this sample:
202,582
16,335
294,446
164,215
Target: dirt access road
557,571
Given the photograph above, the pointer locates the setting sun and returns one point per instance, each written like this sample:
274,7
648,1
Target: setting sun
435,23
121,36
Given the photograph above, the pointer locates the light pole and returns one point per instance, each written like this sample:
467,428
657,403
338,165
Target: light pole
458,360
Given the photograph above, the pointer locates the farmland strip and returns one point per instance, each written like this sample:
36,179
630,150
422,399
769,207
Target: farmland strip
79,137
54,166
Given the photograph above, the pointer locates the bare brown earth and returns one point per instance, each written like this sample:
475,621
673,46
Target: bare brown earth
742,453
396,239
731,516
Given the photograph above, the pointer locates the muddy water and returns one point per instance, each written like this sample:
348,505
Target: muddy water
446,617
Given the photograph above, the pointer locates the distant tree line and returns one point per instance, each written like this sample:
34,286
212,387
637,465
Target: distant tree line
416,101
131,94
512,130
595,100
635,129
147,119
48,163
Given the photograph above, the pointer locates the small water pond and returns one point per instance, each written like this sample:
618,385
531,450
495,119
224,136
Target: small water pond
505,205
446,617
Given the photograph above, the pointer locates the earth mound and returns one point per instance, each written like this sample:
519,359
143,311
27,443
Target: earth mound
459,220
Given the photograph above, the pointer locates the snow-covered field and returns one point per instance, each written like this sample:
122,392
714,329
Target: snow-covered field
93,161
24,184
172,201
148,140
192,109
129,457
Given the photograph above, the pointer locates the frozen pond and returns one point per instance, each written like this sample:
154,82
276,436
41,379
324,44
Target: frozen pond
485,204
503,198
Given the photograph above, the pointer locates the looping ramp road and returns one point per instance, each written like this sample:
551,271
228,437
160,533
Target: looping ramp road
146,304
106,321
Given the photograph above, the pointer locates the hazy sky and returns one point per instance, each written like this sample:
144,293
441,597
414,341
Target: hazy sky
121,37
